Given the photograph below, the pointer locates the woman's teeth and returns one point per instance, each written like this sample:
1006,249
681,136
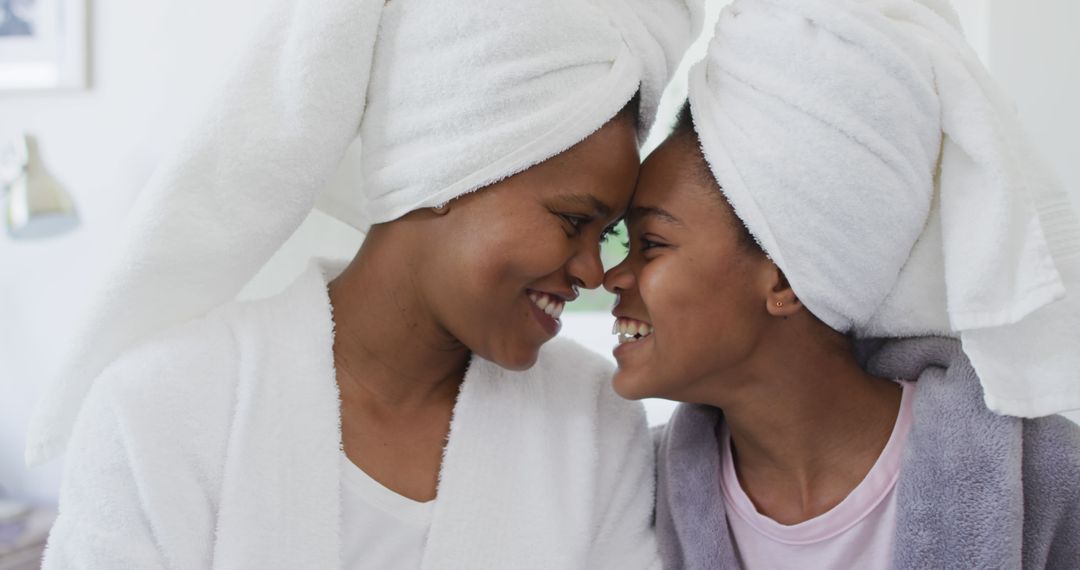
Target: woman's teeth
553,306
630,330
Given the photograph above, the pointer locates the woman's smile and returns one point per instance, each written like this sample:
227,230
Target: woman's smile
547,308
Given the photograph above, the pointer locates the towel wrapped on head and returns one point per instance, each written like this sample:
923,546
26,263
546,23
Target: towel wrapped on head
869,152
445,97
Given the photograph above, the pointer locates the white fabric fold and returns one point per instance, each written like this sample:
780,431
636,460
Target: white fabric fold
873,157
436,98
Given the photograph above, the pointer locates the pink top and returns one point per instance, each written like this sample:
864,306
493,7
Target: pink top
857,533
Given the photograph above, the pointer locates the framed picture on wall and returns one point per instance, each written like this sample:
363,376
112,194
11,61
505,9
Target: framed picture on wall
42,44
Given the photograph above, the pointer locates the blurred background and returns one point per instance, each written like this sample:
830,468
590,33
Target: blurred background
103,86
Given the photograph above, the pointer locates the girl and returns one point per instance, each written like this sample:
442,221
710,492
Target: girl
398,412
814,196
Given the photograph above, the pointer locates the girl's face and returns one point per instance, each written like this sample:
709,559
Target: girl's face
692,295
505,260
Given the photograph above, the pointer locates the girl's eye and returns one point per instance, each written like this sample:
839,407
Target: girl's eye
647,244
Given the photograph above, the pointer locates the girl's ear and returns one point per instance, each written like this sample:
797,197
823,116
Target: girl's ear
781,300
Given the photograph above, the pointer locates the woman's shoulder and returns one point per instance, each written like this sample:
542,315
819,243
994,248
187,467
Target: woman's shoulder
174,390
177,364
166,403
199,360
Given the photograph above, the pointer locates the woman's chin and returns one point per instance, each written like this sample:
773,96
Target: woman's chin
520,359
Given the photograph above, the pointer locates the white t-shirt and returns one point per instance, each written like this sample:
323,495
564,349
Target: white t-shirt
857,533
380,528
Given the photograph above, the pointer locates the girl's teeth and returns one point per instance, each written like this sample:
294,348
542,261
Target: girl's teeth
542,302
629,330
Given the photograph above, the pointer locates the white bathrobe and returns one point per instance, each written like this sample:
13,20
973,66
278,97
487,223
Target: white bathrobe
218,444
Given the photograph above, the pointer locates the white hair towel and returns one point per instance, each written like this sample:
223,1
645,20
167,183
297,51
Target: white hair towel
445,96
868,150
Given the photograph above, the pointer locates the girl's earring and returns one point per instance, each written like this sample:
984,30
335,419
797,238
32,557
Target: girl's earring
440,209
779,304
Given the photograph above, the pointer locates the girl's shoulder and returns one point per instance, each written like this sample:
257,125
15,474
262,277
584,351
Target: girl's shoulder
1051,461
1050,475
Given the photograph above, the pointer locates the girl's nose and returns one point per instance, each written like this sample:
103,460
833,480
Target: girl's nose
619,278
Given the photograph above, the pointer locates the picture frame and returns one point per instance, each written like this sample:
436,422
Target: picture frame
42,45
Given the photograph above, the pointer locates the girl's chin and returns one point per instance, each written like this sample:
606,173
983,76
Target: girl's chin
630,385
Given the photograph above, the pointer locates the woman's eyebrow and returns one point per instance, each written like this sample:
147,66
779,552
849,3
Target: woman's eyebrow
637,213
589,201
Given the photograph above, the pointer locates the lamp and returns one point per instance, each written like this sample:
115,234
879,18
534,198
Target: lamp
37,204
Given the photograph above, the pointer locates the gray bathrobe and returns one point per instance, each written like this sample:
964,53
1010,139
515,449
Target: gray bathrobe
976,490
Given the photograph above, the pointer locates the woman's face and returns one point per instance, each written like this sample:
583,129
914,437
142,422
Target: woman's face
505,260
691,290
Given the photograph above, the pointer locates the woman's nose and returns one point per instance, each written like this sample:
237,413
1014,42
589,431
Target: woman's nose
586,268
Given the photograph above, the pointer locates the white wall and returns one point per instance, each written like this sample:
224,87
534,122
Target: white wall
153,60
1035,54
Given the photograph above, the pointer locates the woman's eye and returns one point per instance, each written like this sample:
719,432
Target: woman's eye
576,222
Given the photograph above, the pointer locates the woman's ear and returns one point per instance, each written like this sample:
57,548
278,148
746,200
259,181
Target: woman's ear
781,300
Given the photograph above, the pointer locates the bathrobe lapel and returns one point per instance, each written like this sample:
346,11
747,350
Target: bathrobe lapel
692,525
960,490
497,472
284,444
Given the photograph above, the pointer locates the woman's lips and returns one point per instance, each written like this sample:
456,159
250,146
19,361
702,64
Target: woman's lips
547,309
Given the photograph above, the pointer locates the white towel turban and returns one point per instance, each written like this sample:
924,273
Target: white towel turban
445,96
869,152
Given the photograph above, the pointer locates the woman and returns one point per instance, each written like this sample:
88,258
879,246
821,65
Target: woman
399,412
800,209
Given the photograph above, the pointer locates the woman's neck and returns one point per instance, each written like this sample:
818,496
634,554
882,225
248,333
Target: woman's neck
388,346
807,429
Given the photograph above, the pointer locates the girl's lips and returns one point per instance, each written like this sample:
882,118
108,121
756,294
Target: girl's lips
630,329
627,348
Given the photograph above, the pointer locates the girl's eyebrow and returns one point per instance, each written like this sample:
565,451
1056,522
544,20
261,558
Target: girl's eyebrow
639,212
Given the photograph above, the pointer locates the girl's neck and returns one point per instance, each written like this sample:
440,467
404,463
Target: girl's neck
807,430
